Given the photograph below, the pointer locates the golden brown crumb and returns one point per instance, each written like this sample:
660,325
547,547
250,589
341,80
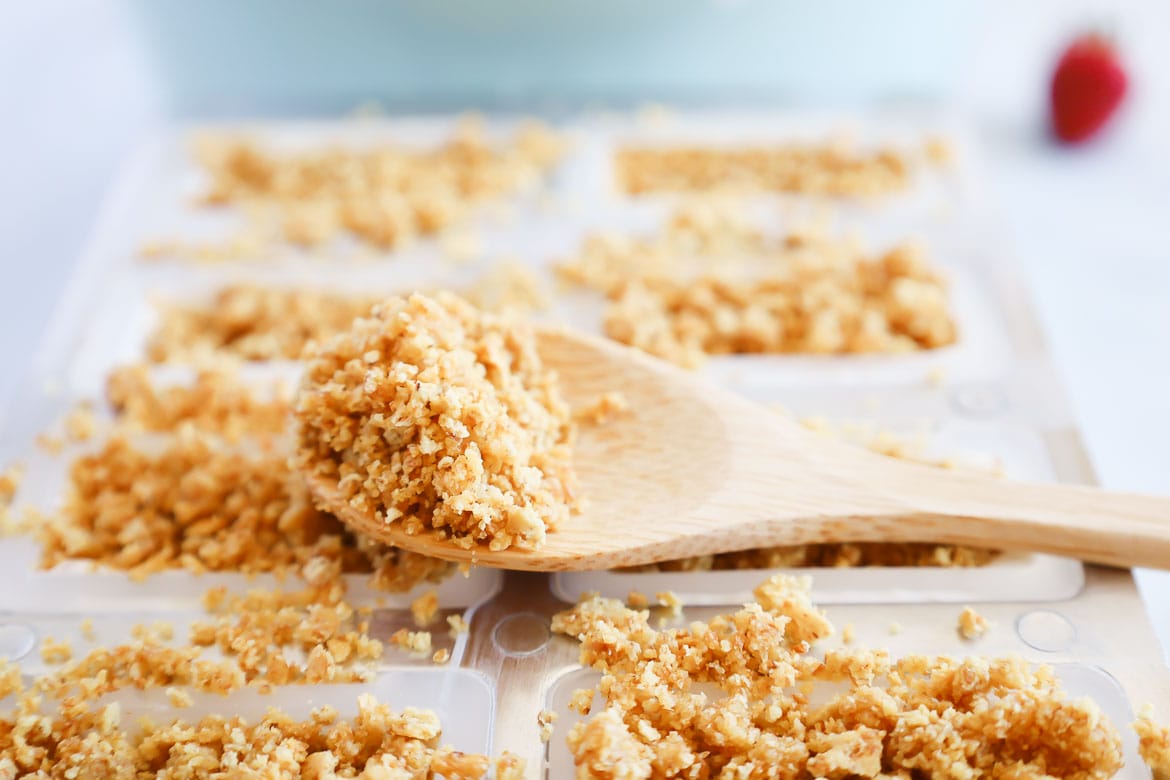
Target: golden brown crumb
710,284
10,479
848,634
509,287
545,720
581,701
412,641
10,681
671,601
80,423
928,716
637,600
217,402
1153,744
179,698
602,410
434,415
425,609
441,656
457,624
54,652
384,196
203,508
810,168
254,323
972,625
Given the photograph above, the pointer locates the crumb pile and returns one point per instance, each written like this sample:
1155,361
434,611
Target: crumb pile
382,195
215,402
1154,745
712,284
253,322
202,507
784,712
378,742
811,169
437,416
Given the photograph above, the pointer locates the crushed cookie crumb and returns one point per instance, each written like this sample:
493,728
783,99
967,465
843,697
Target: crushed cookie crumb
425,609
1153,743
56,652
581,701
441,656
669,600
545,719
880,717
412,641
456,427
179,698
636,599
457,625
972,625
603,409
848,634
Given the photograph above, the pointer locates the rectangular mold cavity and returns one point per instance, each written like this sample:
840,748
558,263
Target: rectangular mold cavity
1077,680
1021,453
462,699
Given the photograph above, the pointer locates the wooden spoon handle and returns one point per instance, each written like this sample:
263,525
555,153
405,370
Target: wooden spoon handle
1116,529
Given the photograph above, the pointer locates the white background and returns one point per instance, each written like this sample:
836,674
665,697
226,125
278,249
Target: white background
1089,226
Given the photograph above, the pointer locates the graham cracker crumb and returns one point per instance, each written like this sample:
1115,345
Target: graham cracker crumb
412,641
457,624
637,600
56,652
602,410
425,608
1153,744
545,719
581,701
670,601
179,698
435,416
972,625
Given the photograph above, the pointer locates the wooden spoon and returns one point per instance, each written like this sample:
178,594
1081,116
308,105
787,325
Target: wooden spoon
693,469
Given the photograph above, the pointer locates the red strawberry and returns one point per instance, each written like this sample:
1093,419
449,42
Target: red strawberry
1087,87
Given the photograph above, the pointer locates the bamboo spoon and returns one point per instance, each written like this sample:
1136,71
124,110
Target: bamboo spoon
693,469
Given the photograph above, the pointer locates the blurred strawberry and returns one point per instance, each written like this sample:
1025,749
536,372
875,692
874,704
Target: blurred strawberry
1087,87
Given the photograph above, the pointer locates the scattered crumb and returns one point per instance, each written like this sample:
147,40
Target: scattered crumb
412,641
56,652
848,634
895,628
87,631
10,479
425,608
436,416
670,601
879,717
50,443
441,656
1153,743
80,423
545,719
457,624
179,697
602,410
581,701
972,625
636,599
10,681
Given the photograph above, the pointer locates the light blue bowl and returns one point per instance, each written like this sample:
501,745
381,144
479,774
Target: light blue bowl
282,56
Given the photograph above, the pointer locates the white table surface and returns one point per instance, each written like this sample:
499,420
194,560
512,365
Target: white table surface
1089,227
